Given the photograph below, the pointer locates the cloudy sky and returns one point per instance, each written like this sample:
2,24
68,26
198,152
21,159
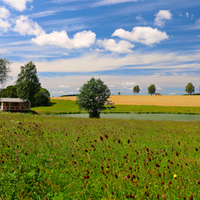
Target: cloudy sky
122,42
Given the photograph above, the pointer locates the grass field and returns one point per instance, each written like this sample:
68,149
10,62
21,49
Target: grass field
184,100
46,157
69,107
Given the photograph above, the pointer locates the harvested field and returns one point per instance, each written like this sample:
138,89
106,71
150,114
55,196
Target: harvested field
193,100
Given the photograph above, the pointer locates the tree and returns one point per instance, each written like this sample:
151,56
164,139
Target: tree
4,70
28,82
42,98
151,89
119,93
190,88
9,92
93,97
136,89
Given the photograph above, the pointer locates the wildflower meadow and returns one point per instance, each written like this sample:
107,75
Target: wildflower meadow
48,157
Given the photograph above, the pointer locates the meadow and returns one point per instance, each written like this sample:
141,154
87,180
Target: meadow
47,157
60,106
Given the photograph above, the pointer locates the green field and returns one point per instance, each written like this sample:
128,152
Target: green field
69,107
48,157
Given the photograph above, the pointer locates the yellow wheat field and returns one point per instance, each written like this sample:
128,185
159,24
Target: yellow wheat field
193,100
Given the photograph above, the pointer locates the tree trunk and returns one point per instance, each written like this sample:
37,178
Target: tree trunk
94,114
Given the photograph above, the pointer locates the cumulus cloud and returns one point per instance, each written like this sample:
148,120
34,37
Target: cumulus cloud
120,47
25,26
64,86
187,14
4,13
4,25
61,39
162,16
17,4
144,35
128,83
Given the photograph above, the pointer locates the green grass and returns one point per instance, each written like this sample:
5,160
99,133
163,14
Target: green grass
46,157
69,107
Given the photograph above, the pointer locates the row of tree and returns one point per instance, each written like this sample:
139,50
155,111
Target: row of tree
27,85
152,89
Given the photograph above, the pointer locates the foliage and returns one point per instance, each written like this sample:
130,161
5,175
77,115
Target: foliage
93,96
136,89
42,98
190,88
9,92
28,82
119,93
151,89
4,70
64,158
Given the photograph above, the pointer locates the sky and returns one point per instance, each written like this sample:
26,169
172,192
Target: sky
123,42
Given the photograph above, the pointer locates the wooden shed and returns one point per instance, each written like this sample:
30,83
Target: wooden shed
14,105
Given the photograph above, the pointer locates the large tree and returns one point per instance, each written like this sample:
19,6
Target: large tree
136,89
190,88
9,92
151,89
42,98
93,97
4,70
28,82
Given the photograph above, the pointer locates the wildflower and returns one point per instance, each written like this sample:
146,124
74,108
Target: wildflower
175,176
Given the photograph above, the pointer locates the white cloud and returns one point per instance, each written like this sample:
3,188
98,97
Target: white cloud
109,2
61,39
4,25
139,18
59,92
161,16
145,35
187,14
17,4
4,13
172,93
120,47
64,86
128,83
26,26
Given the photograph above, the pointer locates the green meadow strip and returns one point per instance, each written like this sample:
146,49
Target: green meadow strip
47,157
69,107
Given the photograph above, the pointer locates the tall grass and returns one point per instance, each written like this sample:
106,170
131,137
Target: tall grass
44,157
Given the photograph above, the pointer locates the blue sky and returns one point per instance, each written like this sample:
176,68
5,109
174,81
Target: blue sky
122,42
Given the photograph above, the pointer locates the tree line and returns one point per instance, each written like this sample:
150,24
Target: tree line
190,89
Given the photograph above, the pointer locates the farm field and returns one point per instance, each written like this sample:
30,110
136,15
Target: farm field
184,100
46,157
69,107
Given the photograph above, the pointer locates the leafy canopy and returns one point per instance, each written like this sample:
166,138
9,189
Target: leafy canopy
93,96
136,89
4,70
151,89
28,82
9,92
190,88
42,98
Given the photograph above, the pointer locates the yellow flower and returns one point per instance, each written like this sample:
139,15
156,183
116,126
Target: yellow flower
175,176
107,169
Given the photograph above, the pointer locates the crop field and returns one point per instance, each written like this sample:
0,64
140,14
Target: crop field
46,157
184,100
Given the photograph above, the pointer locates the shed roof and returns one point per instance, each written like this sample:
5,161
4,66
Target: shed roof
16,100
